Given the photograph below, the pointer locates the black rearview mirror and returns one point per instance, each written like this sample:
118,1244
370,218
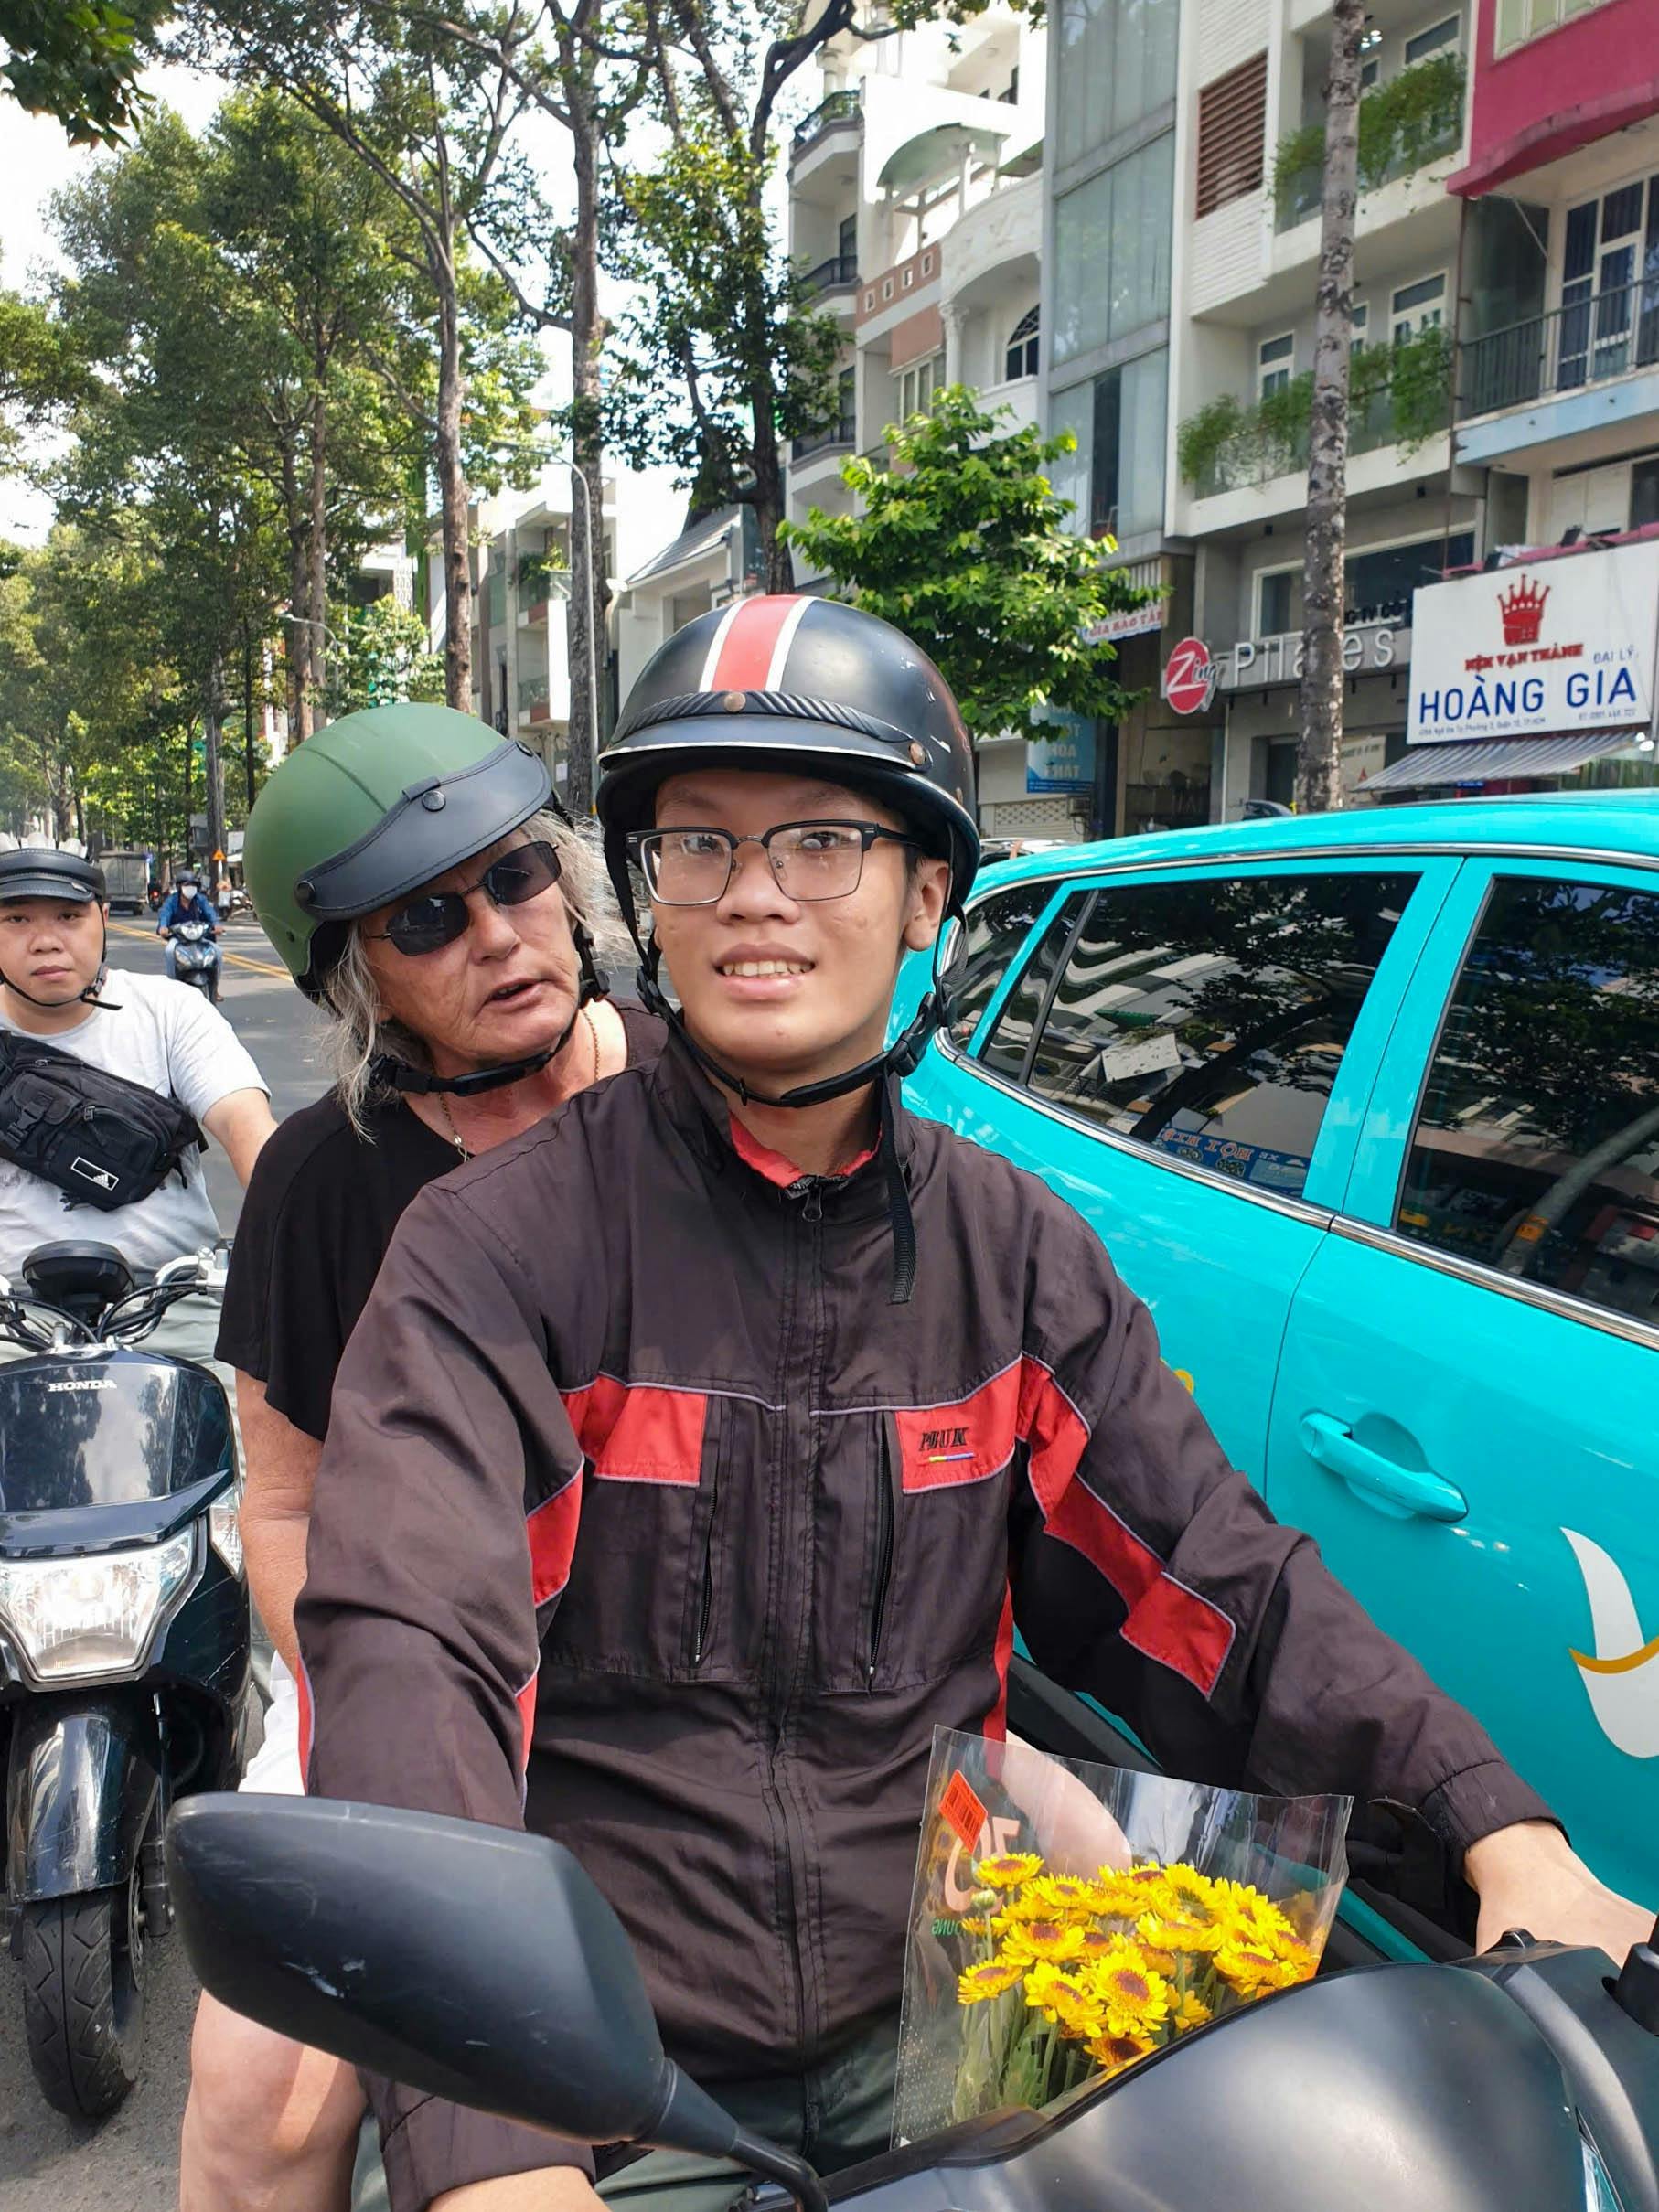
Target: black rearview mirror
477,1964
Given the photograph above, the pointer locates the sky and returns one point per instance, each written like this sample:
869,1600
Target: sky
36,160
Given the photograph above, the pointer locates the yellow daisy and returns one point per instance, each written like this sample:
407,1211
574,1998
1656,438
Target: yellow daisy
1190,2011
1008,1871
1063,1999
1253,1971
1114,2052
989,1978
1046,1939
1135,1998
1179,1935
1066,1896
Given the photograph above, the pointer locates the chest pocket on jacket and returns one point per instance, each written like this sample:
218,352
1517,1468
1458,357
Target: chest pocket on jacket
638,1592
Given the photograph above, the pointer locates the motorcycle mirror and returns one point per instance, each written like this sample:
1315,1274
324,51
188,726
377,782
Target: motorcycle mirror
477,1964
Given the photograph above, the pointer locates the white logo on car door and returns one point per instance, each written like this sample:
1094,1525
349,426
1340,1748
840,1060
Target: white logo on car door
1623,1678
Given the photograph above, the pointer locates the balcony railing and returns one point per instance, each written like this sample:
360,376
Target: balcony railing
538,585
535,700
839,268
1272,441
1415,118
839,107
1587,341
842,432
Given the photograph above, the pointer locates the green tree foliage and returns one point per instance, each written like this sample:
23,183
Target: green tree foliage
965,544
385,659
78,60
41,371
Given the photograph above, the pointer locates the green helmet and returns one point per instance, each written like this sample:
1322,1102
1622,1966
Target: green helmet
374,805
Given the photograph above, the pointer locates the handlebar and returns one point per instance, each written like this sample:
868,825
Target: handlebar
129,1319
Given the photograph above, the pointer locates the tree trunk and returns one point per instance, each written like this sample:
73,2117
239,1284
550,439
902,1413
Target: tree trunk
452,491
778,562
213,769
590,589
249,755
317,547
298,632
1318,783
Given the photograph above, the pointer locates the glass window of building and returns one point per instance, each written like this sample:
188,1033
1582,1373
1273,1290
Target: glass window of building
1359,324
1207,1018
1536,1146
1020,360
1644,493
1273,602
913,387
1417,307
1437,36
1379,585
1116,60
1112,251
1609,286
1275,360
1519,20
1125,441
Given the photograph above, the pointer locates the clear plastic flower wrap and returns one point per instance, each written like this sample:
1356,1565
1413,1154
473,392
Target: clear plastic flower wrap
1069,1919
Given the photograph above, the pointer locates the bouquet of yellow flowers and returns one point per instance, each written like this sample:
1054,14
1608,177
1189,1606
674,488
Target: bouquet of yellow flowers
1071,1920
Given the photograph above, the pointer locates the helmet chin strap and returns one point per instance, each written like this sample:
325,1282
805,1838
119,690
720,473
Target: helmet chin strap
394,1075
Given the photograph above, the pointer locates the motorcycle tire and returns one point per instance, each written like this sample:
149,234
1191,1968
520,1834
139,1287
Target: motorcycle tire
83,1997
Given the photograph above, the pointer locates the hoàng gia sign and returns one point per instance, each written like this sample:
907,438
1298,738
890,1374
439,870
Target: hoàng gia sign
1529,650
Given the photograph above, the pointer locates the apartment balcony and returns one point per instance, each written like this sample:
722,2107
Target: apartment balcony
1021,395
1590,365
898,293
539,584
815,458
997,241
1242,463
833,285
823,154
1407,124
535,701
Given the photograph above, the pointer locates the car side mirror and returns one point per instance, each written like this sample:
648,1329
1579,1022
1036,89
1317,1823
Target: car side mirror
477,1964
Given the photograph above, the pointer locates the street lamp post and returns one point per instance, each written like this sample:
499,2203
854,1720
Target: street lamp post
310,622
592,739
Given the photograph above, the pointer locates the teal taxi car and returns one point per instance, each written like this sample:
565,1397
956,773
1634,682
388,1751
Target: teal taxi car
1366,1107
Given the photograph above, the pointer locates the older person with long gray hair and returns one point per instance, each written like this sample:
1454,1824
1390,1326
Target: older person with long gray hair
407,866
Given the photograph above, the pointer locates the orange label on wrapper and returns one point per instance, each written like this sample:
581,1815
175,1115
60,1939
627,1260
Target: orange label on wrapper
963,1810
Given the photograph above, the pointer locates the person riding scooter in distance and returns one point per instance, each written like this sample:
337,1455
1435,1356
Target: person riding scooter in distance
699,1450
185,903
56,987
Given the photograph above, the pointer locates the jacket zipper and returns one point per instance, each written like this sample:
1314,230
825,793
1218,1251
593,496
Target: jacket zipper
883,1554
706,1607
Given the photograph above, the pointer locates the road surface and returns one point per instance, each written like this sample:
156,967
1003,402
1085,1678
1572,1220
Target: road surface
130,2164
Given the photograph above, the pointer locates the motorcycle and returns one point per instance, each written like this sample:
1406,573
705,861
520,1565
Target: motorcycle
196,961
124,1643
1522,2081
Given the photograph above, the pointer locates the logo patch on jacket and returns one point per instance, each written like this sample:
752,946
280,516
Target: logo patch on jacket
966,1441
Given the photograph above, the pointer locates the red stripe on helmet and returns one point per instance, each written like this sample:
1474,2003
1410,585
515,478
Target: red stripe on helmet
745,660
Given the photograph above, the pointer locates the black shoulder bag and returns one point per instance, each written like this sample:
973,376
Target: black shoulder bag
100,1140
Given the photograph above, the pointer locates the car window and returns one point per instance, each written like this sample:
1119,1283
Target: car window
1010,1040
1536,1146
994,933
1207,1016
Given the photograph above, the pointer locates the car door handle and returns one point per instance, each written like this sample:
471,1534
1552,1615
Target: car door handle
1418,1490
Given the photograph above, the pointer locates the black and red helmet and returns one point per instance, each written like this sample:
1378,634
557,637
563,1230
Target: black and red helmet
791,683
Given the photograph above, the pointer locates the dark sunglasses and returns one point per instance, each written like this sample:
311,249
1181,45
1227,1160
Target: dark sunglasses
428,923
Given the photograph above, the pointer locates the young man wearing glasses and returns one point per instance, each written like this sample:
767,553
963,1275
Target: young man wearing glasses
634,1523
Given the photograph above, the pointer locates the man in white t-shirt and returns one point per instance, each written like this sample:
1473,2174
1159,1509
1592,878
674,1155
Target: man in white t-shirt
55,985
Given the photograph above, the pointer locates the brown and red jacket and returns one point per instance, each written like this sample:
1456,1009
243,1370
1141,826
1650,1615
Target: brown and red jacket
643,1518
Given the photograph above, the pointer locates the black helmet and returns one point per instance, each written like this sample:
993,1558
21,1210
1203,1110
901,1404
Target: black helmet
42,872
794,681
186,880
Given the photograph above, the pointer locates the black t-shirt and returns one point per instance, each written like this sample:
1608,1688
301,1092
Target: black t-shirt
316,1219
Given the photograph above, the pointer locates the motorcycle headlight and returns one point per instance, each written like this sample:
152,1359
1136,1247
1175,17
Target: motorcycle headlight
91,1616
224,1529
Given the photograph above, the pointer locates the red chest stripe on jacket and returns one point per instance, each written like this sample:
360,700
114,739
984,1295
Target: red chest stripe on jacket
1166,1620
526,1703
636,1432
551,1530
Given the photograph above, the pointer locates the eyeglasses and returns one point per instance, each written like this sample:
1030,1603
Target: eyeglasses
428,923
809,860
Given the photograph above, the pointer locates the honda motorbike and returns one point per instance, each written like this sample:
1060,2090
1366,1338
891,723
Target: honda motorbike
196,956
125,1640
1522,2081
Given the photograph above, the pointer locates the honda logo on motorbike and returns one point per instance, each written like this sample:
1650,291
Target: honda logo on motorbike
54,1386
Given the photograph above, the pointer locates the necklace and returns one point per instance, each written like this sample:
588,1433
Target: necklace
455,1136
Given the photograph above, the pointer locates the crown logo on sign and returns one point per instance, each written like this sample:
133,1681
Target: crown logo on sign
1522,608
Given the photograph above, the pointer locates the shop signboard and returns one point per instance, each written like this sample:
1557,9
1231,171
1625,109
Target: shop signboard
1536,648
1131,622
1063,761
1189,677
1370,648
